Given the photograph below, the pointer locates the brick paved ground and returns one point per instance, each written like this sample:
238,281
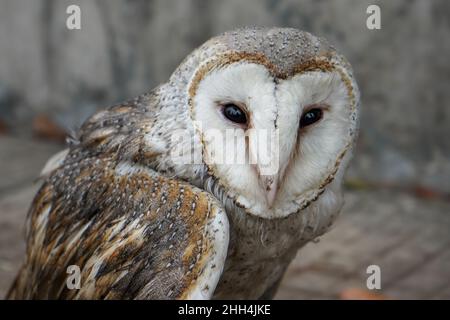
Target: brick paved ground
407,237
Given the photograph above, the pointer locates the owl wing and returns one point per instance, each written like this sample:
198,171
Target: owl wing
131,232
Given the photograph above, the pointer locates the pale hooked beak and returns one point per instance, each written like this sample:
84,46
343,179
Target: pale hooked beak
264,152
270,184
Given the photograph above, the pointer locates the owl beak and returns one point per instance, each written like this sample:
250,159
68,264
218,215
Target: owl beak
270,184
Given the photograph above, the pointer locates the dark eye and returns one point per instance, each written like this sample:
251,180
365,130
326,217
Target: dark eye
233,113
310,117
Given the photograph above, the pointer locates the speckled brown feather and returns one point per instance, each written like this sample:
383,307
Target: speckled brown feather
134,236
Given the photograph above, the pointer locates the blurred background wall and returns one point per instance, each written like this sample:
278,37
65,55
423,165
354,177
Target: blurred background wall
127,47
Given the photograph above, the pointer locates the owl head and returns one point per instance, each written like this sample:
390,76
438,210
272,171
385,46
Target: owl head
275,112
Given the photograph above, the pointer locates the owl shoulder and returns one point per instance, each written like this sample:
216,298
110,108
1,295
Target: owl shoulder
133,233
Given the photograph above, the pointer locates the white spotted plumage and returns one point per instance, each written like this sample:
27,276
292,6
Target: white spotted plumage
147,221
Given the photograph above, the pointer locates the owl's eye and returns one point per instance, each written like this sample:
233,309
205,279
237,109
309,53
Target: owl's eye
233,113
310,117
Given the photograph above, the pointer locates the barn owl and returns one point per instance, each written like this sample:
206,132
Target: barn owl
141,221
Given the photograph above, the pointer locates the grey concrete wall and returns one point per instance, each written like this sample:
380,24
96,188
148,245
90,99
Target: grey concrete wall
127,47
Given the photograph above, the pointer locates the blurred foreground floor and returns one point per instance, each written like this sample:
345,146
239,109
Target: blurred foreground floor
407,237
